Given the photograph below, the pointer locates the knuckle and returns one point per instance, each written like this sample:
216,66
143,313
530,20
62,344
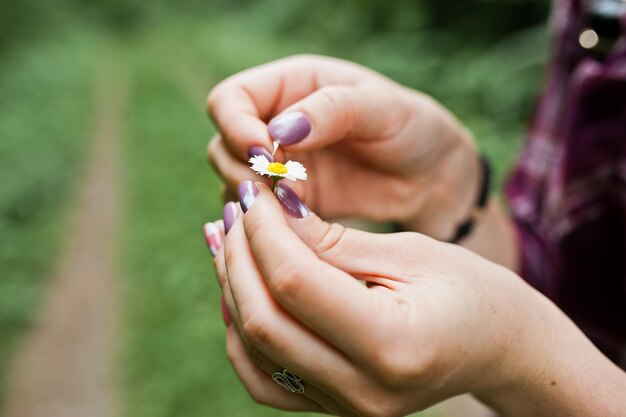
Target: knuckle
340,100
330,239
285,281
396,366
213,98
255,331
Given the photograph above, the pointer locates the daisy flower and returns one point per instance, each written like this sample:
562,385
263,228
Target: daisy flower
292,170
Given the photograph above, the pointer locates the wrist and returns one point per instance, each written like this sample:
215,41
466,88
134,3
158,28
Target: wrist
454,186
553,370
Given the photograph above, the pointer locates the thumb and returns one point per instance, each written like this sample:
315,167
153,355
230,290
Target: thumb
335,113
362,254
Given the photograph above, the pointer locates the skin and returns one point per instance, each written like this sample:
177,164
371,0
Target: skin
414,164
364,161
435,320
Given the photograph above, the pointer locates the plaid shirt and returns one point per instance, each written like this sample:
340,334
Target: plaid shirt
567,194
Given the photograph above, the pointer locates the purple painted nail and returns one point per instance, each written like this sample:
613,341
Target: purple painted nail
258,151
247,194
291,202
213,238
289,128
230,214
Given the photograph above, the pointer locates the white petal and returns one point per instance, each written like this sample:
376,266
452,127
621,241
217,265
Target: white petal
259,159
293,164
261,171
259,164
296,170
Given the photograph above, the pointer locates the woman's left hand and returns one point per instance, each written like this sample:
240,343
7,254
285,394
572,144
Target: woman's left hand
433,321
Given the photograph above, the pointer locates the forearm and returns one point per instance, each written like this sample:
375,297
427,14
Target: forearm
559,373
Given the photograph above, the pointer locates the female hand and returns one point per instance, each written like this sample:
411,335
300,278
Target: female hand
374,149
434,321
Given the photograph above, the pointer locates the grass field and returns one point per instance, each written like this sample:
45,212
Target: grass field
44,115
173,358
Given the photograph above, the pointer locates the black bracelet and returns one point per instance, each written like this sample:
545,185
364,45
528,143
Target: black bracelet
466,227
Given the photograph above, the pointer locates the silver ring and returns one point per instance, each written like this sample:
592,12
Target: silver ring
289,381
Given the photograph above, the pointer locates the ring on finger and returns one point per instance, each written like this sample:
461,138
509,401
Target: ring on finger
289,381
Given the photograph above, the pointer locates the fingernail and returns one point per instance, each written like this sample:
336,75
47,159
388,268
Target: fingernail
291,202
258,151
225,314
289,128
213,238
230,214
247,194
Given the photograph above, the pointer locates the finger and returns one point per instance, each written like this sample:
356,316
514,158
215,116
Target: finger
236,116
263,354
340,112
378,258
229,168
326,299
220,268
231,212
261,363
259,384
241,104
214,236
228,194
260,374
257,356
275,334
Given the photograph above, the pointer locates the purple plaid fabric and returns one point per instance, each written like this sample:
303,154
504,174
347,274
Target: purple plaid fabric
567,193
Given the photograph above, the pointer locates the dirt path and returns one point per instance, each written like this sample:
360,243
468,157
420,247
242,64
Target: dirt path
65,366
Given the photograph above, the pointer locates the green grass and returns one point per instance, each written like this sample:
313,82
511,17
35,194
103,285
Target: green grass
44,115
173,357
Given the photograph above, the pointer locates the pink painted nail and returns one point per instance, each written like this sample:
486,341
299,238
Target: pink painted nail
225,314
213,238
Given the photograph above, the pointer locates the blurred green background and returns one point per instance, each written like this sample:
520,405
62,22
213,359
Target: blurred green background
481,58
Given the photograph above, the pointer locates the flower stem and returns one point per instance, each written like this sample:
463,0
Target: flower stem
274,182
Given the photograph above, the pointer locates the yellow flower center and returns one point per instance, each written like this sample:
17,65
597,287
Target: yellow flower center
277,168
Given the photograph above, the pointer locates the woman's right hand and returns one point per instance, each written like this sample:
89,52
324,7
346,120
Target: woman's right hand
373,148
434,321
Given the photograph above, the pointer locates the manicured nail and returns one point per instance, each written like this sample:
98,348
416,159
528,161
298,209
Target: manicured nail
230,214
225,314
291,202
258,151
289,128
213,238
247,194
